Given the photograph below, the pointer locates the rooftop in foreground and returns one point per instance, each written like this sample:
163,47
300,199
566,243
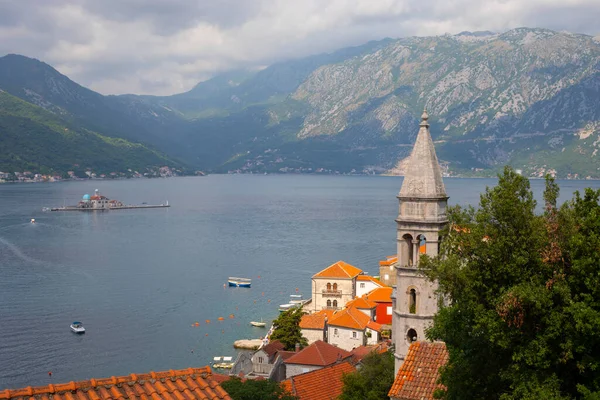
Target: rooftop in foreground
191,383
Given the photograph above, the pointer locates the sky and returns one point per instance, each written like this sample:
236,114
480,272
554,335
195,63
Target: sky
164,47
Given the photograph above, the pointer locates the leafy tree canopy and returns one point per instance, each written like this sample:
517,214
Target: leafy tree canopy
287,329
373,380
252,389
524,316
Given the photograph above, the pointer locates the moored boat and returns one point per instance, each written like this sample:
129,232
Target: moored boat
77,327
239,282
260,324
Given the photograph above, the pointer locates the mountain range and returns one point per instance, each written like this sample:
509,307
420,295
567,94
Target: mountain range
527,97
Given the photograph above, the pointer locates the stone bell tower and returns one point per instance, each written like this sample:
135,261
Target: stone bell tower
421,217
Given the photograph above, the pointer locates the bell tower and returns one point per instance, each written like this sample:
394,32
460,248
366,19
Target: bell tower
421,217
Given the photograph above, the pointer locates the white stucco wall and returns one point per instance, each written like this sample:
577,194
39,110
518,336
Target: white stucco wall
344,338
364,287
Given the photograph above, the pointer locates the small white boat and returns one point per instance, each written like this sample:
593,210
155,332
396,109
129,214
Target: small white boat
33,220
77,327
260,324
285,307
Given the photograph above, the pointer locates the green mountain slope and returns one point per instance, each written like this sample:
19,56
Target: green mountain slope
34,139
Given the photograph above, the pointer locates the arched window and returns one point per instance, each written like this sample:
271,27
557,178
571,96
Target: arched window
335,303
328,286
406,250
335,286
412,301
328,303
411,336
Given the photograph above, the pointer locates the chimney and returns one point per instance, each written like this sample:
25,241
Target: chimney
297,347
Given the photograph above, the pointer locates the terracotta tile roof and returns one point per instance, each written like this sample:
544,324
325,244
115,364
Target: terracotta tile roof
374,325
360,352
351,318
361,303
273,347
319,353
322,384
389,261
417,377
191,383
339,270
285,354
380,295
313,321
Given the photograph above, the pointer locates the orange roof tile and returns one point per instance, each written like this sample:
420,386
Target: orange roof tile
319,353
374,325
417,377
389,261
313,321
380,295
191,383
361,303
322,384
360,352
339,270
350,318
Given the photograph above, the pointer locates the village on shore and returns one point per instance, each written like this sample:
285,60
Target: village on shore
350,315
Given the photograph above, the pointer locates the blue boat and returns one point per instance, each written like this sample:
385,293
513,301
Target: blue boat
239,282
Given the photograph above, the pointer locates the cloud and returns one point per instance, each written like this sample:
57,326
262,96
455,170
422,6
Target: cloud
167,46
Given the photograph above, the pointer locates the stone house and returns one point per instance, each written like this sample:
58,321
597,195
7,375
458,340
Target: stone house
387,270
316,356
314,326
333,287
364,305
347,328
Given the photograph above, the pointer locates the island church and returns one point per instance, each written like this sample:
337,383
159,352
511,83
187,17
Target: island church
421,217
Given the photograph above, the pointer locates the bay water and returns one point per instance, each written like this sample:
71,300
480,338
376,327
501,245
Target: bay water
139,280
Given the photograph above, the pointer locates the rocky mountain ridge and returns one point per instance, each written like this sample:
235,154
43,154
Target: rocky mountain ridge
526,97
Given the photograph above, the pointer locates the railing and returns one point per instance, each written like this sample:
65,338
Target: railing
332,293
331,308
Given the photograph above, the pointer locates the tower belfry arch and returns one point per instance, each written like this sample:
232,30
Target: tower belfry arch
421,216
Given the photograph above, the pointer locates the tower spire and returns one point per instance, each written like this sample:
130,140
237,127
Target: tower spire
423,177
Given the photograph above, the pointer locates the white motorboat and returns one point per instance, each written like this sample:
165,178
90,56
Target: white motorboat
77,327
260,324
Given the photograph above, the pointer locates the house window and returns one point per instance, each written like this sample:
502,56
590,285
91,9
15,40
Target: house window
335,286
389,311
387,277
328,286
354,335
335,303
328,303
362,285
260,360
335,331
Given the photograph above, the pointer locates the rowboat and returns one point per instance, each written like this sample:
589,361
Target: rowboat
239,282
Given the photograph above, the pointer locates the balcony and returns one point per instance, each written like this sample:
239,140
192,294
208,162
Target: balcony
332,293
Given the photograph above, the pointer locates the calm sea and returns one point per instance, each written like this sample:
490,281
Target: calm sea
139,279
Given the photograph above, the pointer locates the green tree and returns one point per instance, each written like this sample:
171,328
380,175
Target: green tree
252,389
287,329
373,380
524,316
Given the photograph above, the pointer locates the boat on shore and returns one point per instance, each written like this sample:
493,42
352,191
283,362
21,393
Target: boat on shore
77,327
239,282
223,362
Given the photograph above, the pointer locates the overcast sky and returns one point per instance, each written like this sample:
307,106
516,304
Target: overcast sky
167,46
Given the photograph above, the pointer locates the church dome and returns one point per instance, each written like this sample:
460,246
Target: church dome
86,197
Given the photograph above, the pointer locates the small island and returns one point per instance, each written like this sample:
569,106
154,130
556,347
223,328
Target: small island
98,202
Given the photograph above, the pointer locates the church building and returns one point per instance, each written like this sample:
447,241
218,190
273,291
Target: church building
421,217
